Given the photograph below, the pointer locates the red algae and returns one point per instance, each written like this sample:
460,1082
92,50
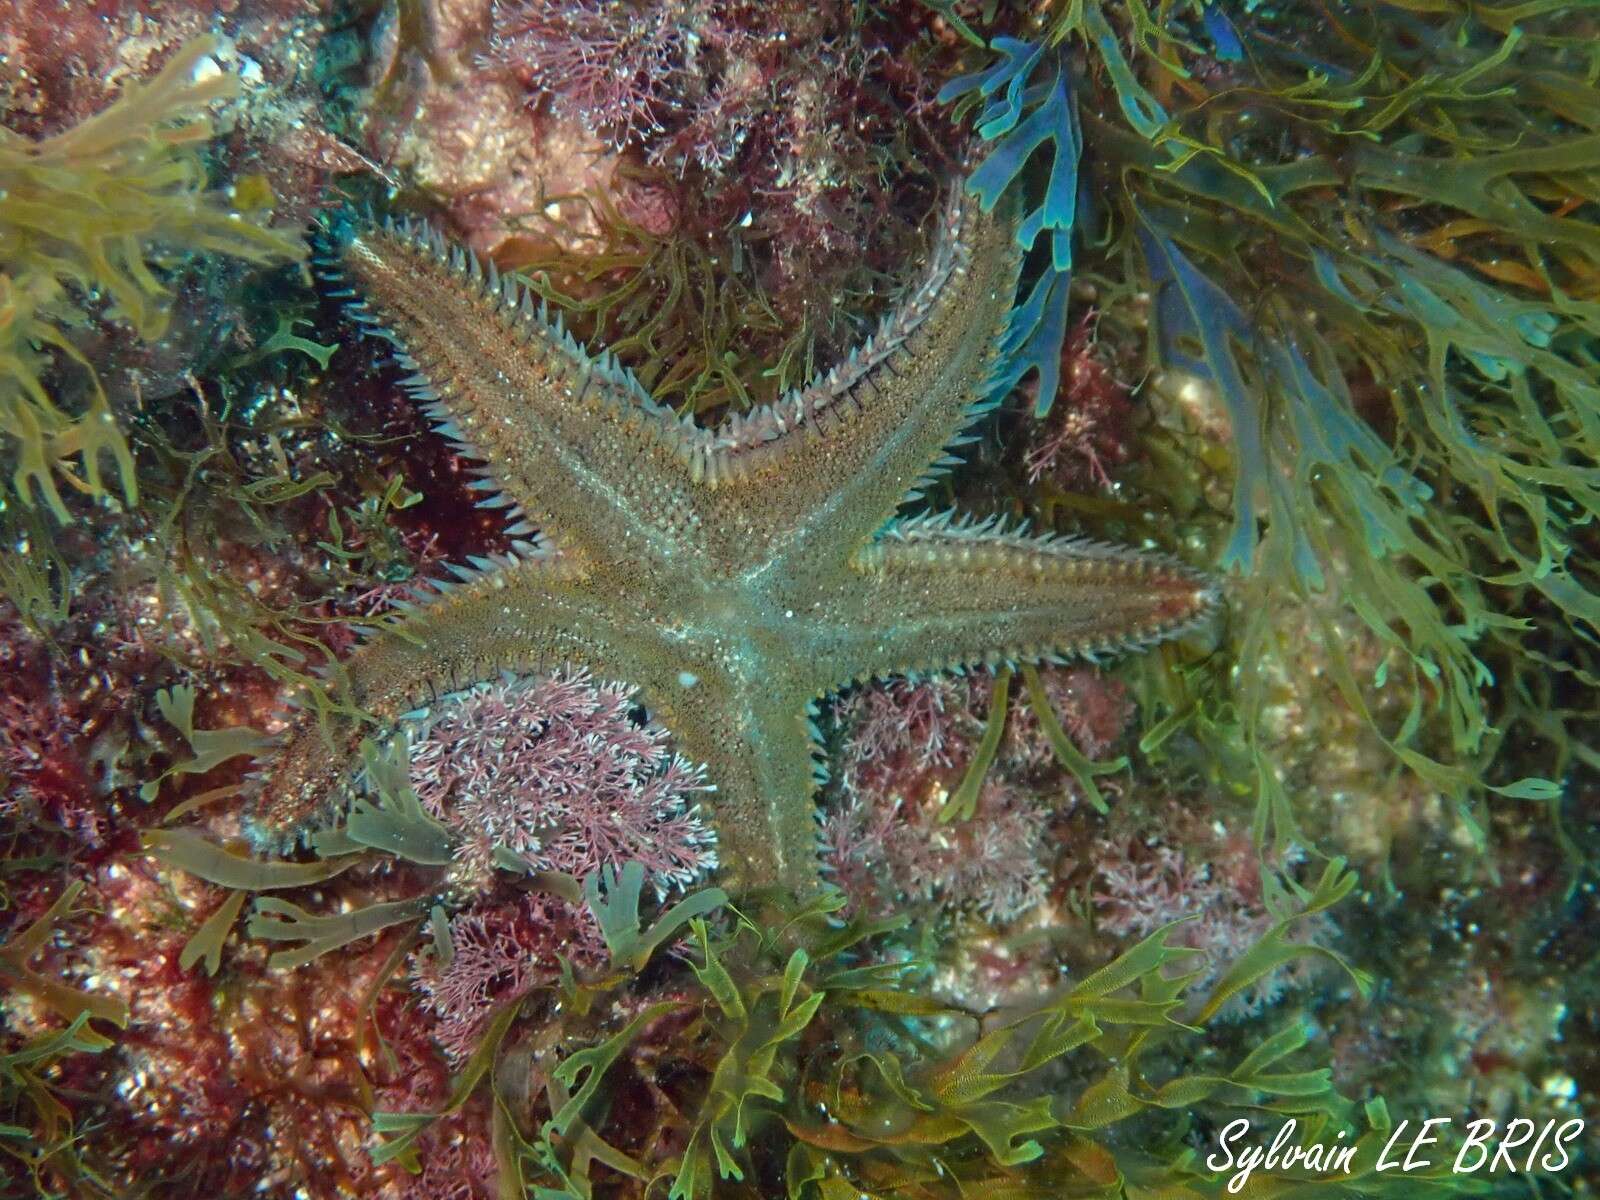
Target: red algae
1089,430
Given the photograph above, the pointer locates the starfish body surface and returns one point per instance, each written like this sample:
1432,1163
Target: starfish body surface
734,575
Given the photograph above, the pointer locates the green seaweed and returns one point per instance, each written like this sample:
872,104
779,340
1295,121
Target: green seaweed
1080,768
211,747
60,998
688,319
744,1076
33,574
1274,948
586,1069
284,339
613,897
97,209
397,824
827,1071
1381,265
186,849
962,804
206,943
320,934
206,499
46,1146
373,548
410,1126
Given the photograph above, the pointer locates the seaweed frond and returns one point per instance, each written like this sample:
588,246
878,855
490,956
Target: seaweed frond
1030,79
92,214
1378,269
824,1066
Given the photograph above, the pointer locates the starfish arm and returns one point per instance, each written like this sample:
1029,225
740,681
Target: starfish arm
758,753
936,593
818,473
572,440
525,615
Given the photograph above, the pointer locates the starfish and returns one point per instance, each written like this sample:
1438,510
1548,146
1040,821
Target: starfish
734,575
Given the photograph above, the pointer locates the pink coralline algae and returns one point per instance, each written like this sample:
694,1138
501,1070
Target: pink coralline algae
689,81
907,746
899,734
614,68
994,862
458,1163
1138,889
899,730
41,772
556,770
783,115
455,1153
497,955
